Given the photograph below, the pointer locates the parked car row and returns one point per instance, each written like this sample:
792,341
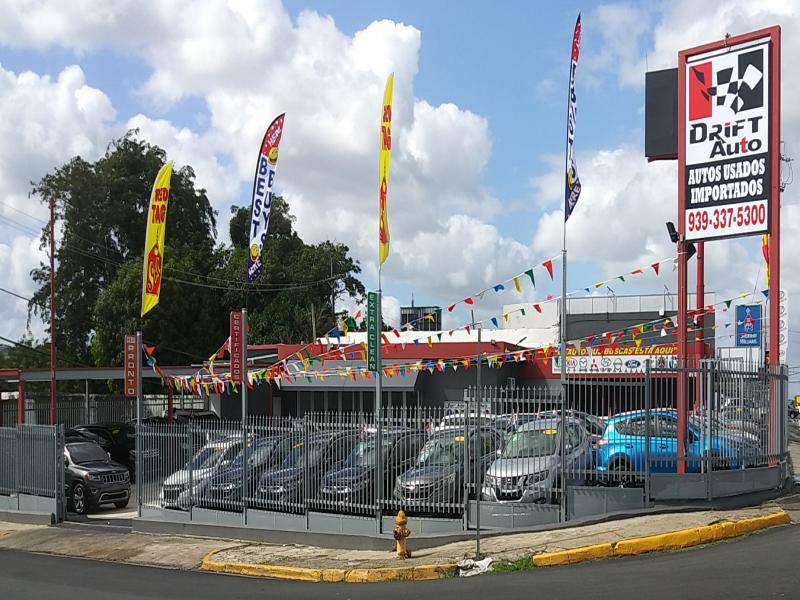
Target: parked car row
507,459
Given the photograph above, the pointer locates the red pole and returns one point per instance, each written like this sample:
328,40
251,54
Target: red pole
775,404
20,400
52,311
682,268
699,349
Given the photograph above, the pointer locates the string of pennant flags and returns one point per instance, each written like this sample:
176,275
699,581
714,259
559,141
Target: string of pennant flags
222,383
357,349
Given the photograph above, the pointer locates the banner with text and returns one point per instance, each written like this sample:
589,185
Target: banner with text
727,146
622,359
154,239
262,196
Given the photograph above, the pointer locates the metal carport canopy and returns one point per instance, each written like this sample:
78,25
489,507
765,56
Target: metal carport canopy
94,373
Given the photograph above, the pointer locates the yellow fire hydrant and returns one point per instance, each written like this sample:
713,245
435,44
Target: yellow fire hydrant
401,533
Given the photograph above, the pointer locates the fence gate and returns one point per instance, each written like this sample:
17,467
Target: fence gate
32,469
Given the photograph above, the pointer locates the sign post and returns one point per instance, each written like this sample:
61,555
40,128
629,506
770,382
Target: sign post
132,367
238,331
728,169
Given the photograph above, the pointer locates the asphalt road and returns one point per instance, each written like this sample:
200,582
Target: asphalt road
761,566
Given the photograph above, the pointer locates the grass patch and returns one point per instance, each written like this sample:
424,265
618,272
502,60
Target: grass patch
511,566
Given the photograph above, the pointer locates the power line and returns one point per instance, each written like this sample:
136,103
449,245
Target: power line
47,354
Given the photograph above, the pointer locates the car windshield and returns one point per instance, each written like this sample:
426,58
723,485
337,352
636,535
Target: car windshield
363,455
86,453
210,456
441,451
257,454
531,442
296,456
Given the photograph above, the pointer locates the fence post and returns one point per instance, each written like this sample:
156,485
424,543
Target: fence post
306,480
647,405
190,451
709,406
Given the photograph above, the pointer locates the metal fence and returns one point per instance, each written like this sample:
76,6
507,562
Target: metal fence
500,452
32,468
82,409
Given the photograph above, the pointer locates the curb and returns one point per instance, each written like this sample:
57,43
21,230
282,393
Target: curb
416,573
673,540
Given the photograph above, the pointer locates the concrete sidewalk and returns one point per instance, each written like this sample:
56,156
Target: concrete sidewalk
308,562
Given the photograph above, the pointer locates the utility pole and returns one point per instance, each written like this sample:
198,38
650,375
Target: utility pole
53,415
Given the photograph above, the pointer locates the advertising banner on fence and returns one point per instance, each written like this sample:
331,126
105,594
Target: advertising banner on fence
385,154
728,141
131,366
262,196
154,239
748,325
622,359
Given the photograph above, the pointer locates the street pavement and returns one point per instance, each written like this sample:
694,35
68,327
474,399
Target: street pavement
760,566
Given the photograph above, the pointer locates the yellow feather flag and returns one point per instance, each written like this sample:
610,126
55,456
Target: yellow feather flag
154,239
385,152
765,252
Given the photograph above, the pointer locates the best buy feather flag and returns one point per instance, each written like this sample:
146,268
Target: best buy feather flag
262,195
383,176
573,184
154,239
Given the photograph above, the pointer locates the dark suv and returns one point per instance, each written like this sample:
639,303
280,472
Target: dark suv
91,478
118,439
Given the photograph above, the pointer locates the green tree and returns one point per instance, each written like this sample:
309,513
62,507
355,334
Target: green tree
101,209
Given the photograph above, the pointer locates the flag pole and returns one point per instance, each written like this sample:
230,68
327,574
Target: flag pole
378,403
568,206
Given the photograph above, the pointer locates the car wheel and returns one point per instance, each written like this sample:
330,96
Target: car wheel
619,473
122,503
80,503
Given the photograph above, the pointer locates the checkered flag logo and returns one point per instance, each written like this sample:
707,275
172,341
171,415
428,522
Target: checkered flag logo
744,89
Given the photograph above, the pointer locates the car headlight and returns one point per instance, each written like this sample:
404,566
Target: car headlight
93,477
127,475
490,480
225,487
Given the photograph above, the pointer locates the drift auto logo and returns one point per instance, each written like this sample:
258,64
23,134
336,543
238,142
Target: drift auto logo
727,104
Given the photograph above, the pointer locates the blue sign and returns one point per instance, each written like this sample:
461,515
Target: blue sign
748,325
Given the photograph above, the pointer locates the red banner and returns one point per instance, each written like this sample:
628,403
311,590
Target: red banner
131,366
236,346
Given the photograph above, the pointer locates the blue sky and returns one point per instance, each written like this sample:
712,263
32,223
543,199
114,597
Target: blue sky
480,125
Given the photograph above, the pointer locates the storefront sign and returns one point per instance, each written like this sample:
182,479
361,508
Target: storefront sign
236,346
131,366
373,331
622,359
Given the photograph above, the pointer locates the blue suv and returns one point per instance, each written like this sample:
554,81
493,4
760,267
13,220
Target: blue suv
621,450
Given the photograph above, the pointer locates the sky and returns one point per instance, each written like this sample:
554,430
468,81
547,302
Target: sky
479,127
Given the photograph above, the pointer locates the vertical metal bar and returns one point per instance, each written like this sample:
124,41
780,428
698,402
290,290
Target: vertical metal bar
86,411
707,444
245,380
52,312
563,360
20,400
378,405
647,402
138,446
190,446
478,451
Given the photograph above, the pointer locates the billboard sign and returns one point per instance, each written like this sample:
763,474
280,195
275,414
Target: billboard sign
748,325
729,142
131,367
236,345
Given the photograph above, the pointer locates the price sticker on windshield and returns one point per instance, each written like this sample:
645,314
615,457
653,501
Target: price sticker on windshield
550,431
458,438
